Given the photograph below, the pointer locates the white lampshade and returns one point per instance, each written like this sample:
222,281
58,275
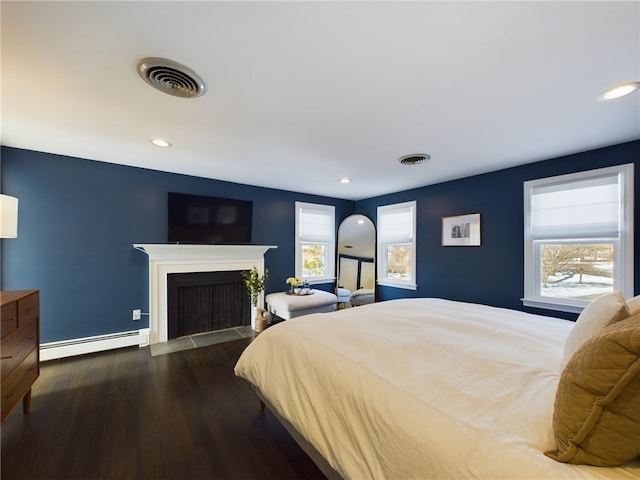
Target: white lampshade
8,216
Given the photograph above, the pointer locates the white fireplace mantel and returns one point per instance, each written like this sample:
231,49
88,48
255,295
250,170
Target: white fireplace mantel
165,259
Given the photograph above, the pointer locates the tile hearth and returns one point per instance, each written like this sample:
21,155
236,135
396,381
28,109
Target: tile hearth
201,340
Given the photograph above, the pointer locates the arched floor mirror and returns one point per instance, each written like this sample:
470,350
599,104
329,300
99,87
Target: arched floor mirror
356,261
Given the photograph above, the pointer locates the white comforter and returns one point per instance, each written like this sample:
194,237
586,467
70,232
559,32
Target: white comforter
420,388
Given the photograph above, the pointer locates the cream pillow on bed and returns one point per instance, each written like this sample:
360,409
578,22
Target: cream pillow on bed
603,311
634,305
596,417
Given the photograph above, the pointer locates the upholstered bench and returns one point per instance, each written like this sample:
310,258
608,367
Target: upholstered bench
343,296
288,306
362,296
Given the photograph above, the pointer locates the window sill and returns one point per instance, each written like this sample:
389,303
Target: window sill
396,284
319,280
548,305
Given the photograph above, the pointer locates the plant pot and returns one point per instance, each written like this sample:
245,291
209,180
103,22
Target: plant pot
261,320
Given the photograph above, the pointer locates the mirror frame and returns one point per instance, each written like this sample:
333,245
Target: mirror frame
370,249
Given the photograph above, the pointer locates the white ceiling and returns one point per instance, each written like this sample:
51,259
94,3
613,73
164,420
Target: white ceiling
303,93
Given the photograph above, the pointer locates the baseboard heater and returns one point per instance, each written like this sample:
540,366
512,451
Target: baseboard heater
98,343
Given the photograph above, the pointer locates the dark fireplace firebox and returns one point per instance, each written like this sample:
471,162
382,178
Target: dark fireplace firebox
206,301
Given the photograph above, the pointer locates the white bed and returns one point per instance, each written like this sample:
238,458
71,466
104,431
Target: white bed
420,388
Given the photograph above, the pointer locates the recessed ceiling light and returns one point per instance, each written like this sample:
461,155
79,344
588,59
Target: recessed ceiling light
160,142
620,91
345,180
414,159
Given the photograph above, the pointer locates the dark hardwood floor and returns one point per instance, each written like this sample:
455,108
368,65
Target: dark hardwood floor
124,414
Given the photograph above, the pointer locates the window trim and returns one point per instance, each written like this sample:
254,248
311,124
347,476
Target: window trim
381,263
623,279
330,253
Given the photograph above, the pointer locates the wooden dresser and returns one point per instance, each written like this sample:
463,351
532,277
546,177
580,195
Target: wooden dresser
20,348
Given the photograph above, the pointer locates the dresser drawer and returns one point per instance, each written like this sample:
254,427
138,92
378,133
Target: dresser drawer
9,318
17,346
28,309
18,383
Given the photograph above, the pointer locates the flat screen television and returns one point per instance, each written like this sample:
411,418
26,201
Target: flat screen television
201,219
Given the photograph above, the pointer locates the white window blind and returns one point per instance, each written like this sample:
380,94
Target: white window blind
396,224
316,225
584,208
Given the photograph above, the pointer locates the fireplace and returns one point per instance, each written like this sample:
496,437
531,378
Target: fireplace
206,301
165,259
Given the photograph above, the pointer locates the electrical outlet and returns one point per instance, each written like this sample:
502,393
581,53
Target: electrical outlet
136,314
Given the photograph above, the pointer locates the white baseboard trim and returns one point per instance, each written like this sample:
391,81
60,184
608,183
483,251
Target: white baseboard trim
99,343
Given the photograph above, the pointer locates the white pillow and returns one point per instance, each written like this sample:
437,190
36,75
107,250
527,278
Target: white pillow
634,305
603,311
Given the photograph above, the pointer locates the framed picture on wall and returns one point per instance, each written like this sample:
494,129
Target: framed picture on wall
461,230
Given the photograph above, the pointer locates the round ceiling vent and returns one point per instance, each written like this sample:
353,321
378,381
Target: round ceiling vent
414,159
171,77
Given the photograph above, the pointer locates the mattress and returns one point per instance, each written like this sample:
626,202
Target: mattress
420,388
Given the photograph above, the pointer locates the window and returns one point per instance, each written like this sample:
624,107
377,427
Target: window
578,238
315,242
397,245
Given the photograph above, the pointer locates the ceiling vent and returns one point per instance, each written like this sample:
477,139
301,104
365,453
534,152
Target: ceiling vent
171,77
414,159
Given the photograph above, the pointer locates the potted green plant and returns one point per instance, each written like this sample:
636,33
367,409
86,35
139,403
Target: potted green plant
256,284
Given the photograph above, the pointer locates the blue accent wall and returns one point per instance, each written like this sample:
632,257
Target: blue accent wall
78,220
493,272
